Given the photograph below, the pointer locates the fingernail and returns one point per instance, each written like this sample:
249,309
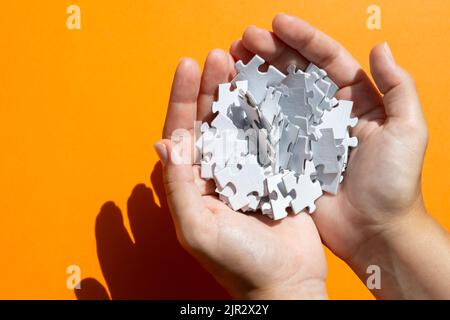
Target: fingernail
388,52
161,150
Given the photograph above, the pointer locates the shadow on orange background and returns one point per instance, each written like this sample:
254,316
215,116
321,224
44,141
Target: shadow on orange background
154,265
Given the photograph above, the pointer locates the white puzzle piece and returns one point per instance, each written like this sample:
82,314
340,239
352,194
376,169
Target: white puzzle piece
301,152
258,81
306,192
339,119
279,199
249,179
227,98
277,141
270,107
326,153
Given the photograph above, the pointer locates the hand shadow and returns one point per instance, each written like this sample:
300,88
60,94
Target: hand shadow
154,266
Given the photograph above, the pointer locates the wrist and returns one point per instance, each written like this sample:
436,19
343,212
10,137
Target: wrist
383,234
392,251
311,289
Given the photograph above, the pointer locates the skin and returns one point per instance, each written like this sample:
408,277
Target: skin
377,217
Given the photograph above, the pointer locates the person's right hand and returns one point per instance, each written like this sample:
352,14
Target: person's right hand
382,181
381,190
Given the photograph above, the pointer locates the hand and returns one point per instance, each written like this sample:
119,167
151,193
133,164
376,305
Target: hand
250,255
379,209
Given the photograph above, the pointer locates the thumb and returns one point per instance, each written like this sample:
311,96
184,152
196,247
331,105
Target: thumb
183,196
400,96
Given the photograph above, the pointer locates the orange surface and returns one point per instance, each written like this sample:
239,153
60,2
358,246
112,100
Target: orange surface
80,110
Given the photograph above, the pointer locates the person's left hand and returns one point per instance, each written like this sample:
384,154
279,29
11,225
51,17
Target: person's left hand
250,255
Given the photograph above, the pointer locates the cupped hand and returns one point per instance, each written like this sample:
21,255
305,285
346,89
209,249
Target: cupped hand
250,255
382,182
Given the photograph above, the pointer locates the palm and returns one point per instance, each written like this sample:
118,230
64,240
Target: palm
340,217
274,251
376,180
365,200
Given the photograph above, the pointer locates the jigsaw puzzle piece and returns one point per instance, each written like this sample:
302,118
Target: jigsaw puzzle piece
253,203
199,128
263,148
258,81
220,148
301,152
326,152
293,103
331,87
228,97
279,199
306,128
339,119
270,107
317,96
238,117
251,110
303,190
248,179
295,78
329,181
348,142
222,122
288,137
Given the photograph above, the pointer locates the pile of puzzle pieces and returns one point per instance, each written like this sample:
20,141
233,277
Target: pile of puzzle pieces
276,141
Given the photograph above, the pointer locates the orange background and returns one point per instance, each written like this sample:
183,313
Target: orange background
80,110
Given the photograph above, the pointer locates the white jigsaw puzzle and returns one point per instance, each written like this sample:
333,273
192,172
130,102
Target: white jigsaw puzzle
277,141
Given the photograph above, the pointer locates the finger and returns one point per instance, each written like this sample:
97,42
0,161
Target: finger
217,70
367,99
318,48
239,52
277,53
184,198
400,96
182,109
271,49
206,187
232,69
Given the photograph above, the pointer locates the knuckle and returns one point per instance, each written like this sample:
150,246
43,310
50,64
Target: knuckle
308,37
